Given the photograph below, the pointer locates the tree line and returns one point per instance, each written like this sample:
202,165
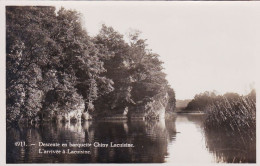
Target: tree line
53,66
202,101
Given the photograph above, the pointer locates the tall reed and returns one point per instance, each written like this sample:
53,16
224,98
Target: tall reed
232,114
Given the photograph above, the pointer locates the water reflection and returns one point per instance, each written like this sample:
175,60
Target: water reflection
194,144
231,147
150,140
189,146
179,140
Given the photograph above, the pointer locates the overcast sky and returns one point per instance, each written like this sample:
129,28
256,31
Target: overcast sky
204,46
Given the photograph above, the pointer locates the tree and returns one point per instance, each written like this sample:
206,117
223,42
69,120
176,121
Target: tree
202,101
54,66
50,54
116,62
146,71
26,55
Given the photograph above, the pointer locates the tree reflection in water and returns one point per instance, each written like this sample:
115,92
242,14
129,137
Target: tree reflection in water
150,140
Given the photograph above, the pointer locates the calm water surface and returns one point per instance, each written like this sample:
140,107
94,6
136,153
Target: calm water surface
179,140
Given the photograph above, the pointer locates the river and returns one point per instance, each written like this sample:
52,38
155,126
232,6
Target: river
178,140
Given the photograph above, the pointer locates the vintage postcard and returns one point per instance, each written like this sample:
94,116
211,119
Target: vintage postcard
129,82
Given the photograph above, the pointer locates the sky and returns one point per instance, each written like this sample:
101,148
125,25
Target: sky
204,46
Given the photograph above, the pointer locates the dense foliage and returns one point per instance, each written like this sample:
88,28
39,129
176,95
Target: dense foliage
53,66
203,100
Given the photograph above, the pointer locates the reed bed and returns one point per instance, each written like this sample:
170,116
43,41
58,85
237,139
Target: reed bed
230,129
232,114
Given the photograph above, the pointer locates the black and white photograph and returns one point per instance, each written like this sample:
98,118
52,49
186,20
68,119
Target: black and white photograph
130,82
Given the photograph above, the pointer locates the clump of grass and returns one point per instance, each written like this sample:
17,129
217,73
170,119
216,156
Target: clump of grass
234,114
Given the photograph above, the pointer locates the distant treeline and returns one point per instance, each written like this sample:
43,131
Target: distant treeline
182,103
203,100
53,67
